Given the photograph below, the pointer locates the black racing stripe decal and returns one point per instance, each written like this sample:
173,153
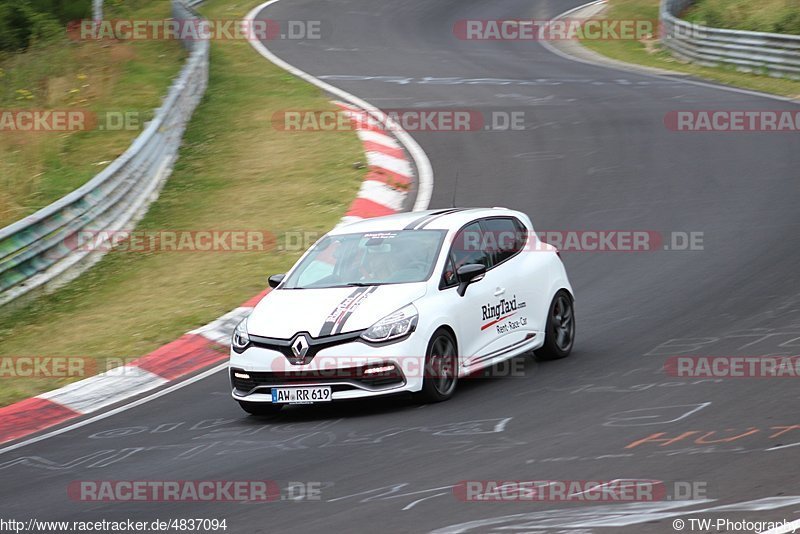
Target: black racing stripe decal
350,309
415,222
339,310
425,218
437,216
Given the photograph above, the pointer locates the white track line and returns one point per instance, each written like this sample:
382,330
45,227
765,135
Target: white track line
424,169
633,66
780,447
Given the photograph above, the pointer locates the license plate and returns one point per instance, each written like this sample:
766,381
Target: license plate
301,395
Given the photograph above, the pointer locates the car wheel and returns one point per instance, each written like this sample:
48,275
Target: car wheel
560,329
441,367
260,408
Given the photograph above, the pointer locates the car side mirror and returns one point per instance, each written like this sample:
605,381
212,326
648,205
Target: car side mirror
468,274
275,280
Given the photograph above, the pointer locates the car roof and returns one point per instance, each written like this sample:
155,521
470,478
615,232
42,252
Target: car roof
437,219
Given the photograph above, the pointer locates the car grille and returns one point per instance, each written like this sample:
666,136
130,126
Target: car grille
340,379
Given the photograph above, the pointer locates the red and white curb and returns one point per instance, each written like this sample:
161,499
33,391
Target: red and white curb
383,192
389,175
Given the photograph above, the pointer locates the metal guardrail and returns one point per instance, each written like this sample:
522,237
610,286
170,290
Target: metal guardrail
97,9
773,53
39,251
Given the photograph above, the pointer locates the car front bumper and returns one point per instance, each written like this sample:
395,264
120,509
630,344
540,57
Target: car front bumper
257,370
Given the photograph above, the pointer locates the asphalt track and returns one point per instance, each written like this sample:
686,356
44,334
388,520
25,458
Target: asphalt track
594,155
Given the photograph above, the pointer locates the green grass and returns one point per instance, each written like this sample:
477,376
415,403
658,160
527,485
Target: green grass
775,16
649,53
235,172
37,168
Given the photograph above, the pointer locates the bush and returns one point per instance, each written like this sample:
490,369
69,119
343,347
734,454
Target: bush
15,27
24,22
63,10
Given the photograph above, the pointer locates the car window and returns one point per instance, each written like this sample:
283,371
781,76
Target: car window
501,238
449,277
522,234
371,258
321,266
469,247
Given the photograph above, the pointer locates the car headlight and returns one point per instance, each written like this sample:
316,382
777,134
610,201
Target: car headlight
393,326
240,340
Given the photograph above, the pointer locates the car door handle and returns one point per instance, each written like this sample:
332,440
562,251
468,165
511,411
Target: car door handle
499,291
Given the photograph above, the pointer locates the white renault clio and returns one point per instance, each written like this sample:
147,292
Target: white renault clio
403,303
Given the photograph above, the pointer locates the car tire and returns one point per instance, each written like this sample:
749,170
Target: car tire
441,367
260,408
559,335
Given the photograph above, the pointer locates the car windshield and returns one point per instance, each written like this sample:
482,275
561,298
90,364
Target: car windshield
372,258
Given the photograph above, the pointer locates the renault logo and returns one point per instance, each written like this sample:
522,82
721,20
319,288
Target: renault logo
300,347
